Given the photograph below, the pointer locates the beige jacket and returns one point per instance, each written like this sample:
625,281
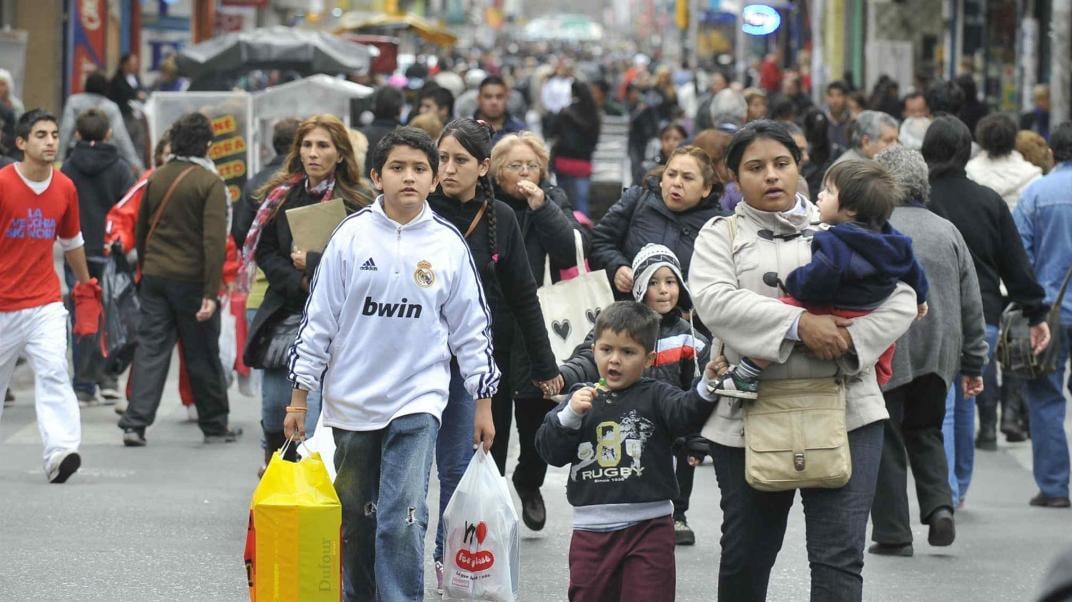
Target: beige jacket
732,300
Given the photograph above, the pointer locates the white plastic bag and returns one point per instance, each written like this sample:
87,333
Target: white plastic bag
228,340
482,551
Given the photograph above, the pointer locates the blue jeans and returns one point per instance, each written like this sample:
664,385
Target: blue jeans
1046,406
577,190
454,447
958,430
382,483
753,525
276,390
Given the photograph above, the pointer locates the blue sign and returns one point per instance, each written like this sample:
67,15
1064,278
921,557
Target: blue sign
760,20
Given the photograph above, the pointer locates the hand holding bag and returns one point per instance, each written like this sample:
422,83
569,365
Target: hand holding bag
570,307
795,435
1014,351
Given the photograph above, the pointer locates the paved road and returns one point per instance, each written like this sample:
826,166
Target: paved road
167,522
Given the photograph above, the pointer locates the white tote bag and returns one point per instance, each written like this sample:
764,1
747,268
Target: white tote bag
570,307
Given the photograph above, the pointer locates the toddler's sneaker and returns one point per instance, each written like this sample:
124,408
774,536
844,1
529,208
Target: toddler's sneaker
732,385
683,535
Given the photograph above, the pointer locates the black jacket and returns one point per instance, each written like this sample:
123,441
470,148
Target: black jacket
675,356
508,282
641,217
101,178
575,136
121,92
984,221
285,293
374,132
246,207
651,412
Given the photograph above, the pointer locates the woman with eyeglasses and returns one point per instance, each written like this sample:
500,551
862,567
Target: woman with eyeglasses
519,172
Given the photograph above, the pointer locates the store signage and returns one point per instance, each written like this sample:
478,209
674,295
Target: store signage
760,20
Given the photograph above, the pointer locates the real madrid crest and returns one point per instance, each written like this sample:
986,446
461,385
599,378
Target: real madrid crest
424,276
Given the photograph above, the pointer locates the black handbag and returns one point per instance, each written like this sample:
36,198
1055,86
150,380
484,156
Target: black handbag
1014,340
271,348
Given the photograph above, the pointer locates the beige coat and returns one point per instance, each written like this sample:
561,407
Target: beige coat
732,300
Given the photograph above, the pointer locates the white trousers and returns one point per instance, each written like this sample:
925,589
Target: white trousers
40,334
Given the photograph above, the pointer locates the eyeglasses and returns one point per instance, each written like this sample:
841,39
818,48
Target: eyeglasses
518,166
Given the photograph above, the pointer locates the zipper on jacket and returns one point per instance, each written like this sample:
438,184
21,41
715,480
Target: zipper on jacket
398,248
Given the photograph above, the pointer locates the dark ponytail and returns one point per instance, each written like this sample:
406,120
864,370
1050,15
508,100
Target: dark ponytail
475,138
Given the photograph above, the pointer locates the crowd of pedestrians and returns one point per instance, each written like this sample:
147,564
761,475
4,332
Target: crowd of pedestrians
867,249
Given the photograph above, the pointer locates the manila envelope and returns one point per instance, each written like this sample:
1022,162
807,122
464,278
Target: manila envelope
311,226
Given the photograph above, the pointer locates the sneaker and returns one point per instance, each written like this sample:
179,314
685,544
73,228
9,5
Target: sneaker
903,550
439,578
229,436
86,399
533,511
191,413
9,398
1043,501
133,438
683,534
729,385
62,466
109,396
120,406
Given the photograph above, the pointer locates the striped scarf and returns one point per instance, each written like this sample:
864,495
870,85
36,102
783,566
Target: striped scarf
268,209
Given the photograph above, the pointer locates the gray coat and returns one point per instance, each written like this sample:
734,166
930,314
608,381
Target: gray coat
78,103
951,336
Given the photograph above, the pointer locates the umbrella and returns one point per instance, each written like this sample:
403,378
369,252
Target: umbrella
275,48
429,31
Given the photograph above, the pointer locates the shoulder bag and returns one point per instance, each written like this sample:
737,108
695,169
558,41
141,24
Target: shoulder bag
1014,340
794,433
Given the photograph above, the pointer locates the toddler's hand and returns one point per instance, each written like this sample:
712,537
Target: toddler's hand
581,402
921,310
720,365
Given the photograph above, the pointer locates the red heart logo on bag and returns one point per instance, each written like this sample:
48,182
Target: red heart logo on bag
481,532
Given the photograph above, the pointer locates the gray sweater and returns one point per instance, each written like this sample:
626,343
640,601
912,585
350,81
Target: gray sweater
952,334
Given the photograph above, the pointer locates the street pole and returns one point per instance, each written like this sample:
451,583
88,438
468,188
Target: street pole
1059,60
694,35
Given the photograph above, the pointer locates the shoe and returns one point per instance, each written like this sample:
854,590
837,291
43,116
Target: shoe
133,438
683,534
229,436
120,406
943,529
729,385
1014,435
439,578
109,396
9,398
891,549
986,440
533,511
191,413
1043,501
85,399
62,466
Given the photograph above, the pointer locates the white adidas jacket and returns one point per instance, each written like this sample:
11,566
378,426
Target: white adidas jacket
387,308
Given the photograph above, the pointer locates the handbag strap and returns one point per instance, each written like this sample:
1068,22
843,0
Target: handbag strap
1056,307
164,203
578,248
476,220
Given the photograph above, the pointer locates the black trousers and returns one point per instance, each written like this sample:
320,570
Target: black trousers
913,435
685,477
531,469
169,309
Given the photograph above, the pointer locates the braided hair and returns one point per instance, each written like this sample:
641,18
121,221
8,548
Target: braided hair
475,138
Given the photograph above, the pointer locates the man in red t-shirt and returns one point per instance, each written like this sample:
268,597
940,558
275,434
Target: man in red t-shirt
38,206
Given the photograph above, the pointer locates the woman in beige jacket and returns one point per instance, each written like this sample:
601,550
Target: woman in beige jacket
734,284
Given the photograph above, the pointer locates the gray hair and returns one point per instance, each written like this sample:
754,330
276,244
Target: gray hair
729,106
870,124
909,169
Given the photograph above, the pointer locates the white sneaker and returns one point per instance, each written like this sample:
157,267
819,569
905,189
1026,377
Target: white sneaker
62,465
120,406
109,396
191,413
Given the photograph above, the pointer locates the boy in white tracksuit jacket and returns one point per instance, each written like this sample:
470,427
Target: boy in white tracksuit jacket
396,295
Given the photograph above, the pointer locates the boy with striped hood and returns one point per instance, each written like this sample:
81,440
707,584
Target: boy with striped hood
679,353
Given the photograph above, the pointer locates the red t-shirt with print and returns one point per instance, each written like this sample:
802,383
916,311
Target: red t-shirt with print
29,225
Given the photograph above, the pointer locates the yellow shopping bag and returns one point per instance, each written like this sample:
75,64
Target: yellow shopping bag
293,544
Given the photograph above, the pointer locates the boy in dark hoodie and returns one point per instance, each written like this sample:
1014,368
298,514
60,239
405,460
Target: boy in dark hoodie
679,353
618,436
101,178
855,264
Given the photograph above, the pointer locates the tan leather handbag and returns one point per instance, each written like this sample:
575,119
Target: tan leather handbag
795,435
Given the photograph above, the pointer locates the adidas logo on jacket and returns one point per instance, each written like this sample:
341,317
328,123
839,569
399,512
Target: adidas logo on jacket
377,334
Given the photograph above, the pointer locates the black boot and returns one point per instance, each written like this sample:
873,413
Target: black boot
1012,411
987,439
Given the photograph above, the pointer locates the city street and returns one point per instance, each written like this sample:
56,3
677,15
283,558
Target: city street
168,522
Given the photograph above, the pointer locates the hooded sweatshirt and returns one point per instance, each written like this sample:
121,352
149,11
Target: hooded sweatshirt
1008,175
853,267
101,178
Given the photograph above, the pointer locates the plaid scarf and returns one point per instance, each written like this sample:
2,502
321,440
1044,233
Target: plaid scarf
268,209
